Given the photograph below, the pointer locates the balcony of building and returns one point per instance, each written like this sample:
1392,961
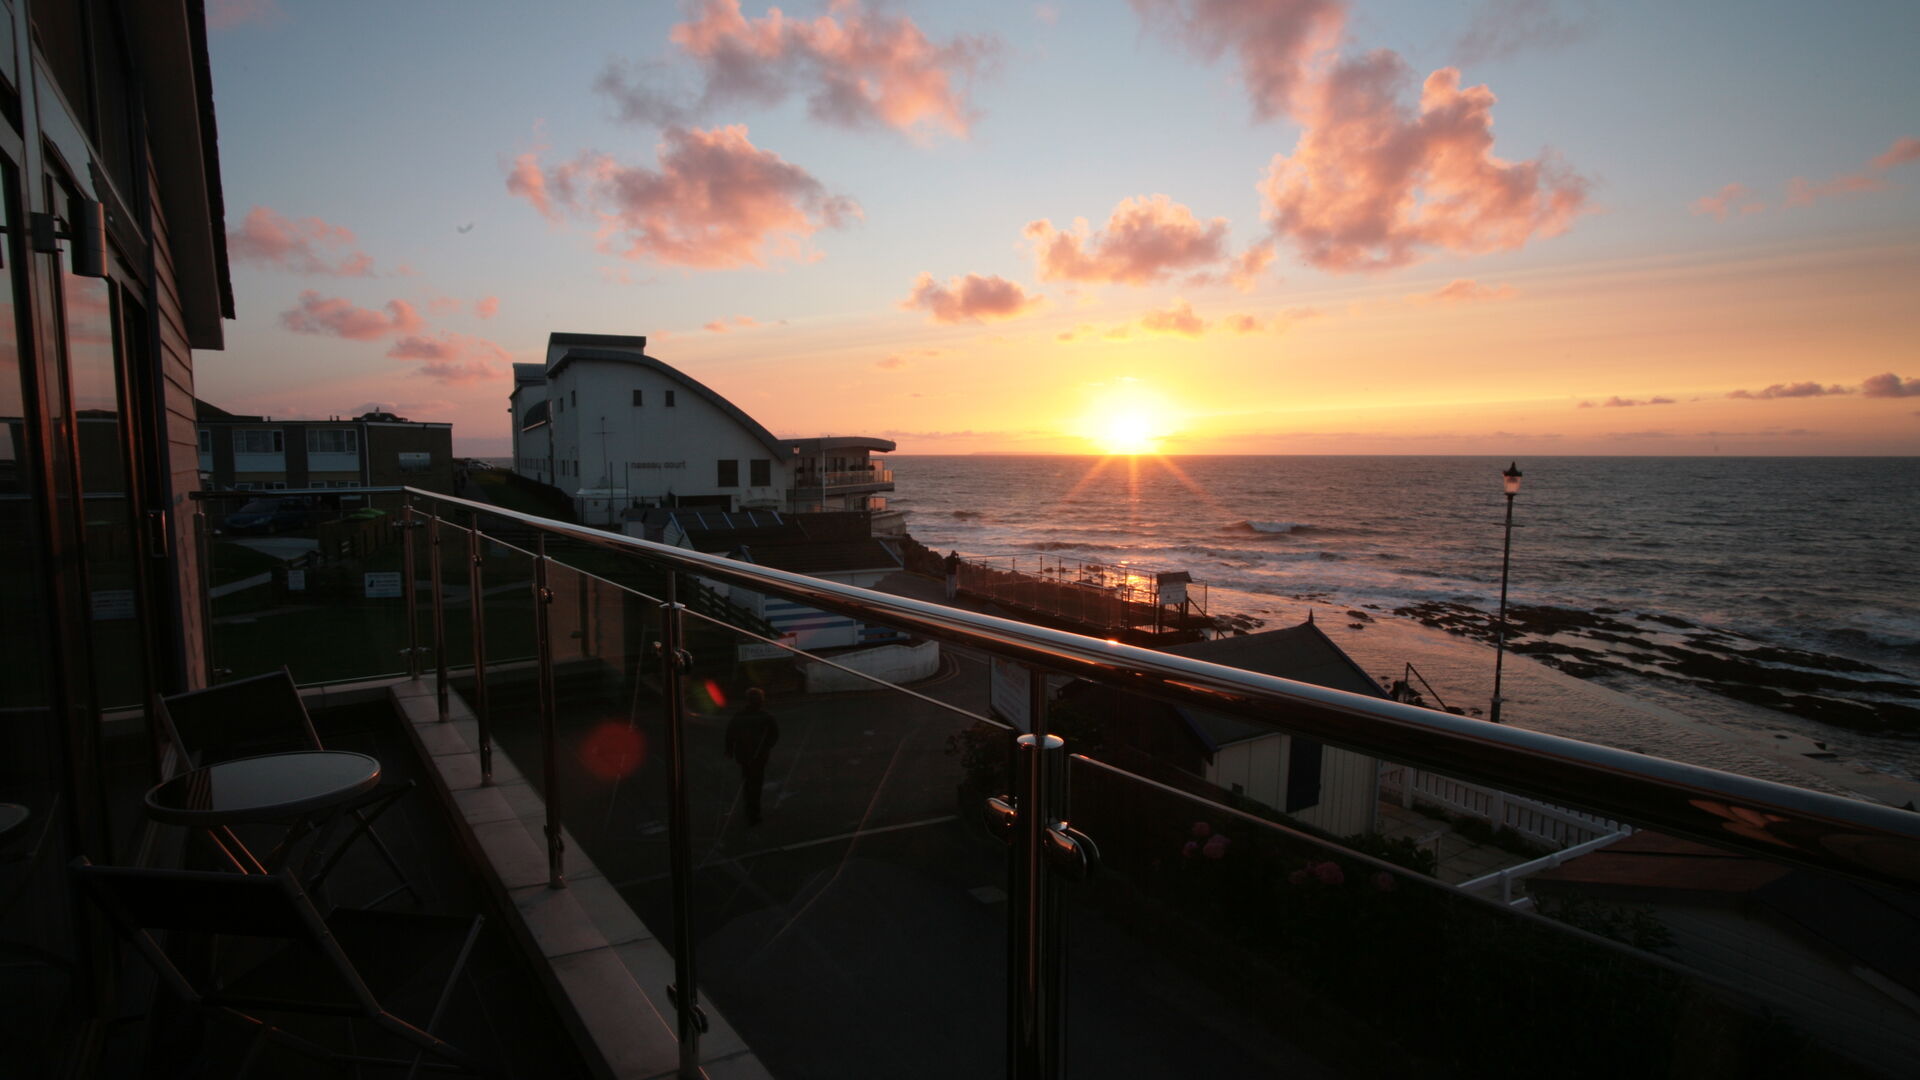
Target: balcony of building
871,477
972,872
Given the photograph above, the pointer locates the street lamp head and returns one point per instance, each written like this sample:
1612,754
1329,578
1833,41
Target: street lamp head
1512,478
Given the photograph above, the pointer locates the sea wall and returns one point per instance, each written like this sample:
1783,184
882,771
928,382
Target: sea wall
892,663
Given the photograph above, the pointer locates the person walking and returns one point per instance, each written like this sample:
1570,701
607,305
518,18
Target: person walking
750,738
953,574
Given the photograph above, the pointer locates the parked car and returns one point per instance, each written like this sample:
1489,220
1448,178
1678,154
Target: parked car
272,515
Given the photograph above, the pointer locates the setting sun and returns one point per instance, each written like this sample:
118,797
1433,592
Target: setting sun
1128,433
1127,417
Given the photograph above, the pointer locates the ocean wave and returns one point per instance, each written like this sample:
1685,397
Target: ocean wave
1268,528
966,515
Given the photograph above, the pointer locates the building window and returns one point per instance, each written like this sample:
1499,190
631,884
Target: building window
1303,774
573,398
669,399
257,441
639,397
760,472
729,472
206,441
333,441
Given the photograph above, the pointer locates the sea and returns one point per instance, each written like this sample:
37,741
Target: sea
1719,602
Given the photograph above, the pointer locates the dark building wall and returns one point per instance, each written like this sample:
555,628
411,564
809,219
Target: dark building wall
386,442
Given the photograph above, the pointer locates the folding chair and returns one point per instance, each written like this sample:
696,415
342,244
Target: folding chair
347,965
264,715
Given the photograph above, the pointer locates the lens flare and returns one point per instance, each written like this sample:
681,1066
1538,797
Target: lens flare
612,750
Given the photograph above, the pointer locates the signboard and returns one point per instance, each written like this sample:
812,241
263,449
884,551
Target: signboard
383,584
110,604
1010,693
412,461
296,581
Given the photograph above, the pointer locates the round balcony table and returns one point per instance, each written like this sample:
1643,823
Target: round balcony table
302,790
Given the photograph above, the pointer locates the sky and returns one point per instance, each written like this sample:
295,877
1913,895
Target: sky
1510,227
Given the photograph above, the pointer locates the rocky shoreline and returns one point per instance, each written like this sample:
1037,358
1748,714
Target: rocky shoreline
1601,642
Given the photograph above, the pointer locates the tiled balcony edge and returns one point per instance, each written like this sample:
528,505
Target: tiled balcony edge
606,971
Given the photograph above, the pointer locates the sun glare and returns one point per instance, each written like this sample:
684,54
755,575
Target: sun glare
1128,433
1127,419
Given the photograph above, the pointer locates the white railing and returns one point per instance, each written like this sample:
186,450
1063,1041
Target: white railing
1503,880
1555,826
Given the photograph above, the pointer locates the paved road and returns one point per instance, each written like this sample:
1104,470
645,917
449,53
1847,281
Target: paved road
860,930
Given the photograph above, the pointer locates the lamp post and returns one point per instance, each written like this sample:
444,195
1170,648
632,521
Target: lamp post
1512,479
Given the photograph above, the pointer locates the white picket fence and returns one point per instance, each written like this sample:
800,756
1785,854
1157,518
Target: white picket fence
1556,827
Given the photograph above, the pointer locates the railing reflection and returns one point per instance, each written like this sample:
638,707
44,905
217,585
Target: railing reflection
850,902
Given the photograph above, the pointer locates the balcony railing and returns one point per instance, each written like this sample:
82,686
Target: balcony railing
1015,852
838,478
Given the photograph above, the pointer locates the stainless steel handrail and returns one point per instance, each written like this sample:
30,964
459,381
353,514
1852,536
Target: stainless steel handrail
1767,819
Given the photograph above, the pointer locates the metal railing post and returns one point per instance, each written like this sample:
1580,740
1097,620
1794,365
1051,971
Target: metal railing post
204,548
549,738
477,622
439,590
684,993
406,586
1045,849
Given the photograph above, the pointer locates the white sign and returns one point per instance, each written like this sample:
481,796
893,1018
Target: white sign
412,461
1010,693
296,581
109,604
1173,592
383,583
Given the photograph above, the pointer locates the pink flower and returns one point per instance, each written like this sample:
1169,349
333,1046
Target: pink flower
1189,848
1215,848
1329,873
1202,830
1383,881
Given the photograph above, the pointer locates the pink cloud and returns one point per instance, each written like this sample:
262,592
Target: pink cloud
1178,320
1275,41
337,317
1903,150
857,68
454,358
1467,291
1372,183
716,201
486,307
307,246
1617,402
1722,202
1243,324
1804,192
972,298
1145,240
1790,390
1890,385
745,320
891,363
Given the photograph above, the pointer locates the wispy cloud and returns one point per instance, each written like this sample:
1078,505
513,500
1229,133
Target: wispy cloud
308,245
1373,182
856,67
1176,320
1147,239
971,298
1617,402
1804,192
1890,385
1467,291
716,201
1790,390
454,358
1725,201
337,317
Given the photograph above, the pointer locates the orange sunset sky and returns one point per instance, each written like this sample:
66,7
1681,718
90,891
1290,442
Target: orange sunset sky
1513,227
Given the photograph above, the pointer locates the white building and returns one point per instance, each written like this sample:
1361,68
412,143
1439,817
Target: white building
615,428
